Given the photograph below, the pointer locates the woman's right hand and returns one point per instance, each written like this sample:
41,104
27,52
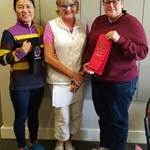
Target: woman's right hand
26,46
77,78
77,82
74,87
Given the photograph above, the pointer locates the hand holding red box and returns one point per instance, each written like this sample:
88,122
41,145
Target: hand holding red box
100,55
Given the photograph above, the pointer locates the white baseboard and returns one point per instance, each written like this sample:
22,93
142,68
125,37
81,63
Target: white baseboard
84,134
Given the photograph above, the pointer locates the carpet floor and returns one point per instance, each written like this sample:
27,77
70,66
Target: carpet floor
6,144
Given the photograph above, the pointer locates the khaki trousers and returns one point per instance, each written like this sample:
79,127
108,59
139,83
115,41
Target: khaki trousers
68,120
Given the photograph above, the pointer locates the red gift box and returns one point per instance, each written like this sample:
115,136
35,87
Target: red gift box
100,55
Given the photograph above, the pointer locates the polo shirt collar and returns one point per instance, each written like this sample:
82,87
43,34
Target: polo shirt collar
19,22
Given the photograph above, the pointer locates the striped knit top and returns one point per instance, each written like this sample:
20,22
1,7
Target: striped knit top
26,70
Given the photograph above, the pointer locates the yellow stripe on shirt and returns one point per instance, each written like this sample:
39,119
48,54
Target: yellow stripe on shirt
20,66
27,36
4,51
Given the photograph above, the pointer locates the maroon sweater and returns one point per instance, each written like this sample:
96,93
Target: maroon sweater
132,46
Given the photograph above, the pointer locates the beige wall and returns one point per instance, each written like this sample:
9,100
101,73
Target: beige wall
45,10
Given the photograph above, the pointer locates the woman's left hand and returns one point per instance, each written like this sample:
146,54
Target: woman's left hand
112,35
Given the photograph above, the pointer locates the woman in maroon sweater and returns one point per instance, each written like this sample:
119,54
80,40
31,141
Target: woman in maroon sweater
112,91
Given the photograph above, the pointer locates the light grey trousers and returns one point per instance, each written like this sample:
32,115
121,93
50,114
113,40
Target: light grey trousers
68,120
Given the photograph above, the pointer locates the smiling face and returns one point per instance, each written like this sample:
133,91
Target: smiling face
25,11
113,8
67,8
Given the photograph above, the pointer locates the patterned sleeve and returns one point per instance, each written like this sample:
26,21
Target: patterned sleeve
9,54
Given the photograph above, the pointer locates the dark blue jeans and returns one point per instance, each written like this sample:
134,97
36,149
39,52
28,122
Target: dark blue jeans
26,105
111,102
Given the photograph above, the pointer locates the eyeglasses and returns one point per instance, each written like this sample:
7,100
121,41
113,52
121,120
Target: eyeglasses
65,6
114,2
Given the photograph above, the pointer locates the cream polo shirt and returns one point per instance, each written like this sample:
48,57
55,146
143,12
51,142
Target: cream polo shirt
69,47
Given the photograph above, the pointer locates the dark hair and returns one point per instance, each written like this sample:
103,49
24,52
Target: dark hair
15,1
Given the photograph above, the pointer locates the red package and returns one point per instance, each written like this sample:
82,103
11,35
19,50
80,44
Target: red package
100,55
